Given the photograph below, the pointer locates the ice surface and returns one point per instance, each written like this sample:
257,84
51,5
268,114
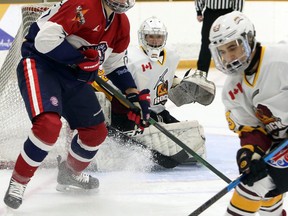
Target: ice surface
132,191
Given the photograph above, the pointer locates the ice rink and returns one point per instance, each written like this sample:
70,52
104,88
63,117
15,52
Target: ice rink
136,192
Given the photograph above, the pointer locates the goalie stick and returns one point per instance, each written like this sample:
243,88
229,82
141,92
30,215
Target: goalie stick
124,100
234,183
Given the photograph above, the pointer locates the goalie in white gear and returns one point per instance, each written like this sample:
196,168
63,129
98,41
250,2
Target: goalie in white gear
153,67
255,99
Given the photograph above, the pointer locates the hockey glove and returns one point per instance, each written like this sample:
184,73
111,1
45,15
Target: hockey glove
163,116
91,62
249,161
141,114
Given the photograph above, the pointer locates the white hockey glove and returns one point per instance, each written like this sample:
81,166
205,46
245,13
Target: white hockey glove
194,88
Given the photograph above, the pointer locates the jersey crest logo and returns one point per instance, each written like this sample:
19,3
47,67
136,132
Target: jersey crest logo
146,66
80,15
102,47
238,89
161,87
272,123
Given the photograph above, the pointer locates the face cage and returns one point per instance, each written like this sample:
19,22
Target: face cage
118,7
152,51
238,65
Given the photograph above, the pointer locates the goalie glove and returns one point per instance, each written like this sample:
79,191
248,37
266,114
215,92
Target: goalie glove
249,160
194,88
141,114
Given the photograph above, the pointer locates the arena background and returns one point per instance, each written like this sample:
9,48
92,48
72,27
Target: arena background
180,18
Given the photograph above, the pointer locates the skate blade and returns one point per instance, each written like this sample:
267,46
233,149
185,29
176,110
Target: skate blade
73,189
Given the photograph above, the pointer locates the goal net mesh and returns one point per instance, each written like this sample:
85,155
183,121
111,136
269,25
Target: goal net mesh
13,116
16,124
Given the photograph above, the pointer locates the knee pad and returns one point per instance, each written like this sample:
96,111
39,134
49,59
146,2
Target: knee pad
93,136
46,127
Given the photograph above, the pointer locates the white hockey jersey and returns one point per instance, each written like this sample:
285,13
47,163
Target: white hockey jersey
156,76
260,100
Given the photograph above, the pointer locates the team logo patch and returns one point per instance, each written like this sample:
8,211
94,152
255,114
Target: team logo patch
54,101
280,160
161,87
79,17
272,123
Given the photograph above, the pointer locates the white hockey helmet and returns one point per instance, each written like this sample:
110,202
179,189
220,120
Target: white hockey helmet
152,37
232,40
120,6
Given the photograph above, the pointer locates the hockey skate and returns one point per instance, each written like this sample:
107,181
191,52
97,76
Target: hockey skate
14,195
71,182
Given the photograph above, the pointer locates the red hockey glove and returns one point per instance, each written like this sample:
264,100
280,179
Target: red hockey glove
142,101
250,162
91,62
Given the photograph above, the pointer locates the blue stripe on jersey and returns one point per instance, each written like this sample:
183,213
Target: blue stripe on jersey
69,56
122,79
33,152
77,149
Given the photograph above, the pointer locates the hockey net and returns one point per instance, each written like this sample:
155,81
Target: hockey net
16,124
13,116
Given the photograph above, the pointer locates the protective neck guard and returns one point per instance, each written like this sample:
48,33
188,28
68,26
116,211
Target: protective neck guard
251,68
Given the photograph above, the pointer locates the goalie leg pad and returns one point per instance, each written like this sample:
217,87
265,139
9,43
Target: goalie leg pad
190,133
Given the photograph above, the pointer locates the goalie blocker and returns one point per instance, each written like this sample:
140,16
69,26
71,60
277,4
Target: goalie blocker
166,152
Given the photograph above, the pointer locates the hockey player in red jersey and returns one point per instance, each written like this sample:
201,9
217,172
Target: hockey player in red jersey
255,98
61,55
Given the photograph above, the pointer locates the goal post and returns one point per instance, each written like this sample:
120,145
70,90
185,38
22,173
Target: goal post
112,155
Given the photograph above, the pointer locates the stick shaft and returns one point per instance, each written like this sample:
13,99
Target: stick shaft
124,100
234,183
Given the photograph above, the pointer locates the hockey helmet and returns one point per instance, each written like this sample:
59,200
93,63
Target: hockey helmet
120,6
152,37
232,40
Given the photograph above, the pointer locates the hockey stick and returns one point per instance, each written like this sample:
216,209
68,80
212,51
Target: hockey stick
237,181
125,101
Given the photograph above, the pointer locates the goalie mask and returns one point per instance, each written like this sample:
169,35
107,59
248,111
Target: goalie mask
152,37
232,39
120,6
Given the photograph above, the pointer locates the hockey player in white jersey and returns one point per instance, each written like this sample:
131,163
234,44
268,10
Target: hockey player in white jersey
255,98
153,67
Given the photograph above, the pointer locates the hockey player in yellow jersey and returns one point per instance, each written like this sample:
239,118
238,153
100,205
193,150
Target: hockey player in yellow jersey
255,98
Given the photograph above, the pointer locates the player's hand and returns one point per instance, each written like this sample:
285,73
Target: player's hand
141,114
250,162
91,62
163,116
